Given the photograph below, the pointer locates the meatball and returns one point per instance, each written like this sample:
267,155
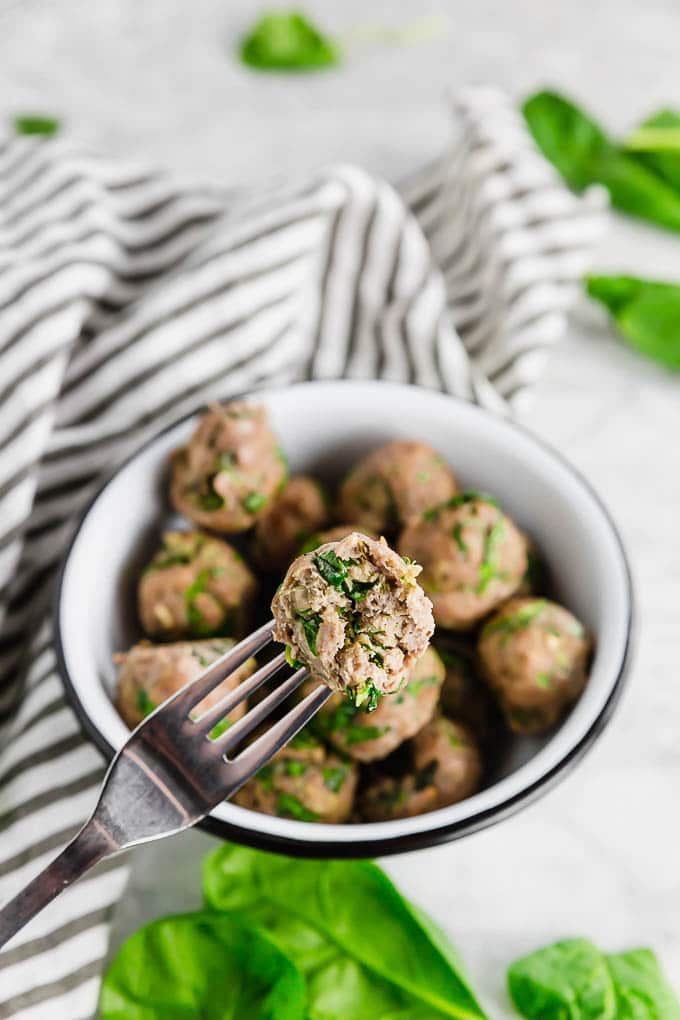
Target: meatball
195,586
148,674
371,736
472,554
464,697
447,768
302,784
394,483
334,534
534,655
299,509
230,469
354,614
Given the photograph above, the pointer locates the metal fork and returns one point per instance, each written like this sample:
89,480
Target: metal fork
170,774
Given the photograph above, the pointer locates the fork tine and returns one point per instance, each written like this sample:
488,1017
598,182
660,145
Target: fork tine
233,736
196,690
205,722
265,747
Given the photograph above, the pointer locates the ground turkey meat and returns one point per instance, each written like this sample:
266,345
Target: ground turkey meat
195,586
301,508
394,483
230,469
472,554
447,768
370,736
534,655
354,614
148,674
307,784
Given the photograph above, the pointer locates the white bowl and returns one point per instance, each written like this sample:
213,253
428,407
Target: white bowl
324,427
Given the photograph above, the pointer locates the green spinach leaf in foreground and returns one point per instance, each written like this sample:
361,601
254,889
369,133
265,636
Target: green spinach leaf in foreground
574,980
658,156
580,149
647,314
206,965
32,124
365,951
287,41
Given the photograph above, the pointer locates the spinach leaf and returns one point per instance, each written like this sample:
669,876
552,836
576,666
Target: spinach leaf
583,154
647,314
656,144
144,703
30,124
210,965
332,569
364,951
566,981
287,41
574,980
311,622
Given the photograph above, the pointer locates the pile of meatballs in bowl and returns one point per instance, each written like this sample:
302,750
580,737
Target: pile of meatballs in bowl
360,574
458,586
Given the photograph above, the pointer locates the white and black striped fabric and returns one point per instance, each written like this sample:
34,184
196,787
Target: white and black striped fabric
126,299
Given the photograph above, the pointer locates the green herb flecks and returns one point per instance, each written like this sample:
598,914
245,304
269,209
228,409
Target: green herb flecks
219,728
367,696
291,660
544,680
457,535
294,768
415,687
334,777
469,496
353,735
488,569
425,776
290,807
266,777
287,41
305,740
335,572
199,626
210,500
311,623
32,124
646,314
253,502
511,622
144,703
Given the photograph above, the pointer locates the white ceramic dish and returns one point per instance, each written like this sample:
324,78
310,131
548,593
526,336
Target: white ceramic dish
325,427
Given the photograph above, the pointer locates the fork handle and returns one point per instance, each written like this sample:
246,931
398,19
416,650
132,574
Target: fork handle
88,847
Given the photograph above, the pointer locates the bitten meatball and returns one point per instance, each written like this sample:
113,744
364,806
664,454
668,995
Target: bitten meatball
289,519
308,785
447,768
195,586
369,736
394,483
472,554
354,614
534,656
230,469
334,534
148,674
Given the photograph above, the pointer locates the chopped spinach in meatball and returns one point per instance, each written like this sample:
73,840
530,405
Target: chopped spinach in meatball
472,554
354,614
297,511
394,483
309,785
230,469
195,586
148,674
370,736
534,654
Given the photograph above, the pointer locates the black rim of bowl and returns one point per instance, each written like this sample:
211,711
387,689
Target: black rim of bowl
362,848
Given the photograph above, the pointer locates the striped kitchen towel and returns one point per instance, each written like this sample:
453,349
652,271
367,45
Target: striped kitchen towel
127,298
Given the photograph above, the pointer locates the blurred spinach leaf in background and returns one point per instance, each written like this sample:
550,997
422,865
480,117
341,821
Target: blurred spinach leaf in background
656,144
287,41
646,312
31,124
583,153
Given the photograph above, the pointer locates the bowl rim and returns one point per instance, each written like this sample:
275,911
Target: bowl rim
400,843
